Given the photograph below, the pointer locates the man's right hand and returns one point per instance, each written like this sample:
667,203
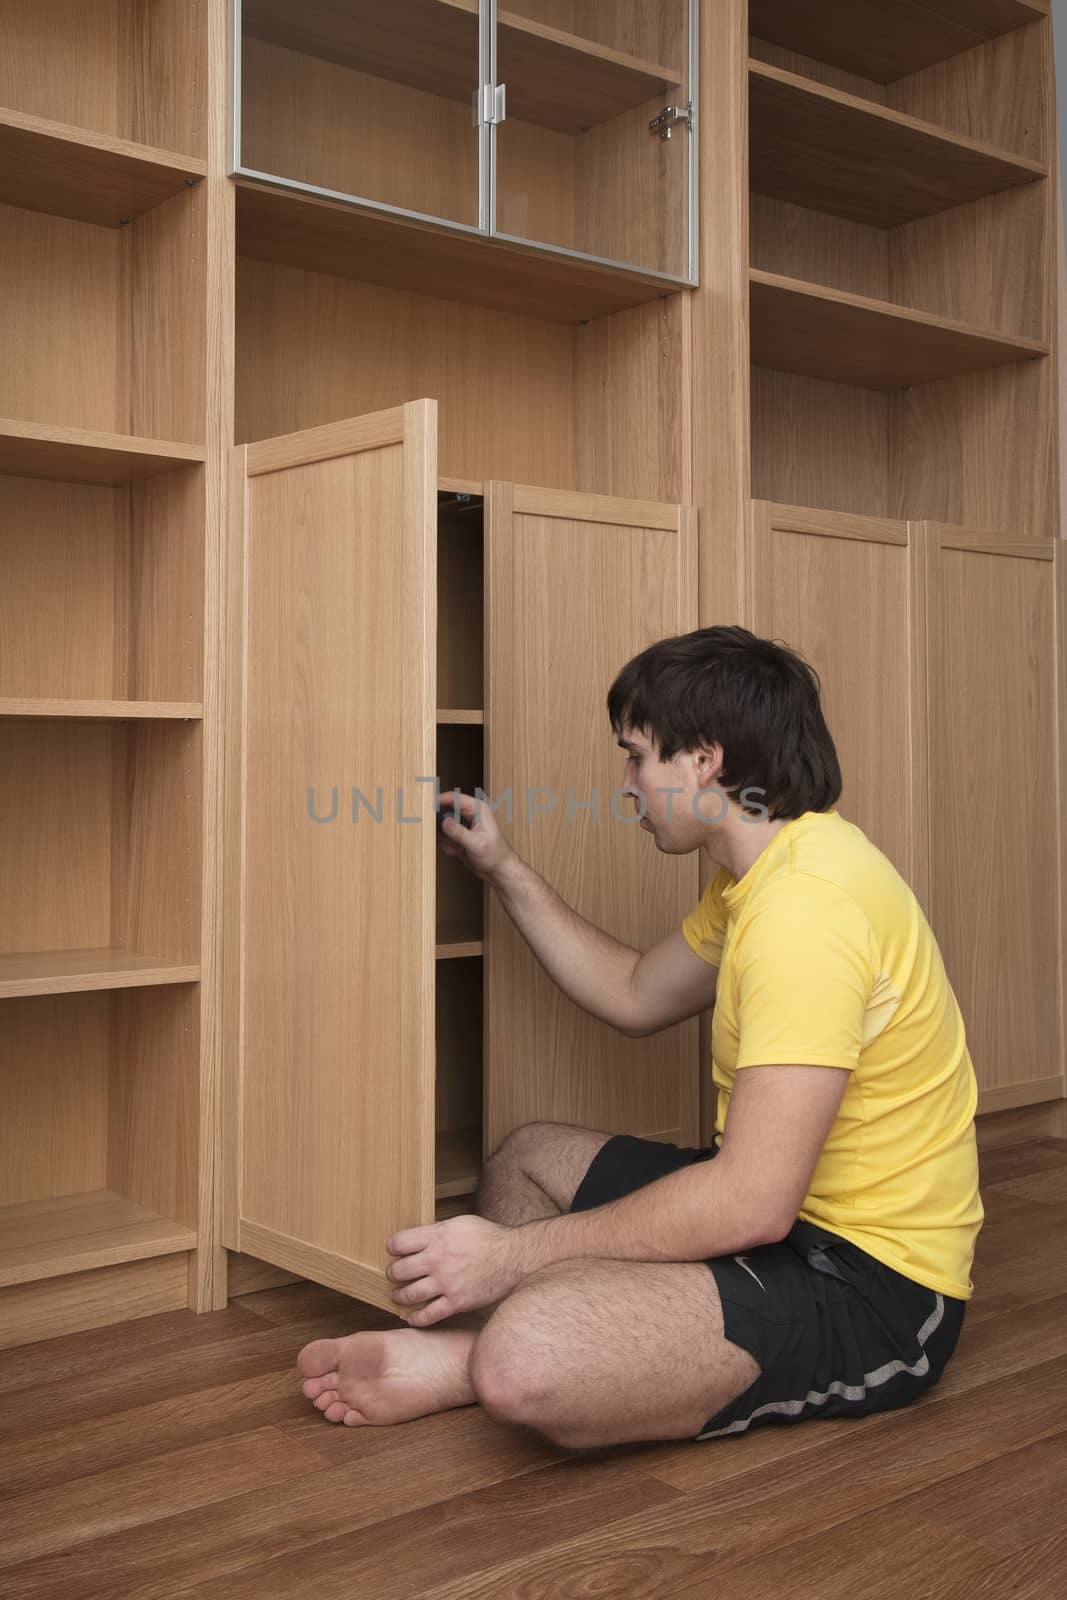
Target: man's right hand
480,846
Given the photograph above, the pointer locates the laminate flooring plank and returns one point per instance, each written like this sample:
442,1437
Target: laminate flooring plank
145,1379
399,1474
716,1528
461,1539
946,1542
77,1450
1008,1162
57,1519
79,1355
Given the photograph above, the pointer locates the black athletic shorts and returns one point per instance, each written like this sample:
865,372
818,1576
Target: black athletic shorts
834,1331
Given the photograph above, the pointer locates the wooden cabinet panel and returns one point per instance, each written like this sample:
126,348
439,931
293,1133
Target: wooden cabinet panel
331,1124
994,612
836,588
577,584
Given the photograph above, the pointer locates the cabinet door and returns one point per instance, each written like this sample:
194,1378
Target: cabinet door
576,584
997,803
331,938
838,588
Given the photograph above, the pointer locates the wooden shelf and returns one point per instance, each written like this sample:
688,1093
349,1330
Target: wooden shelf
74,971
102,710
77,1232
847,338
50,166
887,39
459,1162
554,79
817,147
80,455
459,949
296,229
469,718
458,939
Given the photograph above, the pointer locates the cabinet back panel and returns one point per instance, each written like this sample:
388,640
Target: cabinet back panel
155,839
153,1098
131,68
776,55
460,895
60,322
458,1033
313,348
55,845
460,610
986,263
997,92
980,451
61,602
53,1096
821,444
328,125
801,243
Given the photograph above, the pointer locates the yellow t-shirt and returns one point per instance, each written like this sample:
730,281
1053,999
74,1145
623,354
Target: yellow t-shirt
826,959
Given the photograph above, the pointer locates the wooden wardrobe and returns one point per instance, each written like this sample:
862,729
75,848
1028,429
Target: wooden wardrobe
378,381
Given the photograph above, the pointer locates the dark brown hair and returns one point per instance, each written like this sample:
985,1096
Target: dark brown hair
756,697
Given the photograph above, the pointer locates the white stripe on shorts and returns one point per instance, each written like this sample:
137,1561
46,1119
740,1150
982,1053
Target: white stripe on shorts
851,1391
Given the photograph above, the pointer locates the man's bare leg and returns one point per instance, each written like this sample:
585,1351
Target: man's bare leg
382,1378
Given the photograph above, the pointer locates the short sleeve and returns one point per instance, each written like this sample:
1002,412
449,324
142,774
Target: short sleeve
804,969
705,926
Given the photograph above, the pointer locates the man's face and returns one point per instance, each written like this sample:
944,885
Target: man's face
662,792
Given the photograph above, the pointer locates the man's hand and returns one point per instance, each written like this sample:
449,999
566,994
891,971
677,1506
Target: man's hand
461,1264
480,846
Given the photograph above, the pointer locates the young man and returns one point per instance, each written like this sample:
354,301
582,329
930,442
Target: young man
814,1261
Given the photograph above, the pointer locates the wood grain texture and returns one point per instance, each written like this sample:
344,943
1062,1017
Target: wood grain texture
51,166
319,1033
819,147
302,230
631,580
81,455
997,917
489,1509
131,69
823,333
886,39
836,588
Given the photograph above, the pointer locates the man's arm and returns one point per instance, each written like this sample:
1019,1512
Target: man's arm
747,1195
638,994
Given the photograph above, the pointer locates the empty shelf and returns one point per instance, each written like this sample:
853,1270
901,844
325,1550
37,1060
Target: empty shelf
81,455
848,338
296,229
887,39
102,710
90,177
74,971
77,1232
459,1162
818,147
554,79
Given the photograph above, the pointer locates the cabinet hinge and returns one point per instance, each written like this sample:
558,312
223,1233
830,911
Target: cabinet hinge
670,117
489,104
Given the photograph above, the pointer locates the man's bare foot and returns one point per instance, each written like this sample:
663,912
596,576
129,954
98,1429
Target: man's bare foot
374,1379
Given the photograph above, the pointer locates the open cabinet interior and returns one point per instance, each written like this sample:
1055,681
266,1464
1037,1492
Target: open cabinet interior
901,326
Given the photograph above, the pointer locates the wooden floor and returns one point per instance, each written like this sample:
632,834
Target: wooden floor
175,1455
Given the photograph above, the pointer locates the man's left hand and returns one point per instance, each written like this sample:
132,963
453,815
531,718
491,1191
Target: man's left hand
461,1264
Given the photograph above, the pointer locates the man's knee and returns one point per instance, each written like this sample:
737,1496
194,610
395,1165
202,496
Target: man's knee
523,1143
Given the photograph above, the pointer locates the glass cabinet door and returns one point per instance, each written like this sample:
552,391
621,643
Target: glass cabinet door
365,100
577,164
